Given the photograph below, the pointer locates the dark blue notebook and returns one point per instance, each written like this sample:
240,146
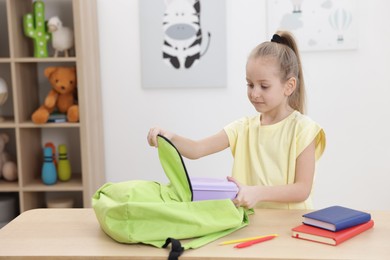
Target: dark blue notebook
336,218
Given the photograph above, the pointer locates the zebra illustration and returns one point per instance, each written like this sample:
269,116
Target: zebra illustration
182,33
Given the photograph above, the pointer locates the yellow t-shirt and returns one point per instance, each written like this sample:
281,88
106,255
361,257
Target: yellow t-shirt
266,154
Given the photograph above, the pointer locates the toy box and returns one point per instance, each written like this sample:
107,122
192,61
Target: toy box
212,189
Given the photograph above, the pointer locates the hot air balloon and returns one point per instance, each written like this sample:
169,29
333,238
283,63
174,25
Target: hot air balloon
340,20
297,6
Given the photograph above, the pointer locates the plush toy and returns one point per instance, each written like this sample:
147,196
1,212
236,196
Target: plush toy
7,167
62,37
61,97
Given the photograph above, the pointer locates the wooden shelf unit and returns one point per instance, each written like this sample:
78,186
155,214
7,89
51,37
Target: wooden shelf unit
26,83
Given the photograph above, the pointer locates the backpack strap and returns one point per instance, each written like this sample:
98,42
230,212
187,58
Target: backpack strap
176,248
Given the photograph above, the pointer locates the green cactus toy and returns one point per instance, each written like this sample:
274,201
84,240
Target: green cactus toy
35,27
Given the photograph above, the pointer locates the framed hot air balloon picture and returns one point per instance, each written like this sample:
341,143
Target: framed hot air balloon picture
316,24
183,43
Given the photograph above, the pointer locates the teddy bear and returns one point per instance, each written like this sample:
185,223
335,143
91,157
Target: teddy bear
62,96
8,168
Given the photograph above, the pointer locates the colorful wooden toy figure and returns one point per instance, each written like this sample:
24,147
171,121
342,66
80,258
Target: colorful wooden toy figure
49,172
64,169
34,26
53,151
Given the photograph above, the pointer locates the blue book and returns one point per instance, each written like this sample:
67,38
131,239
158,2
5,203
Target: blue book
336,218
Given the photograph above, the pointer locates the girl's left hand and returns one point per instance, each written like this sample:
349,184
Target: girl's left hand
247,196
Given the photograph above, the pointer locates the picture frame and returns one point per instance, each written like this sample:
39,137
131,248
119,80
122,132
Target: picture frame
316,24
183,43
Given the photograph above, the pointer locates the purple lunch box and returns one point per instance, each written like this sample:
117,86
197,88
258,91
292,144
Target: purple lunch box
212,189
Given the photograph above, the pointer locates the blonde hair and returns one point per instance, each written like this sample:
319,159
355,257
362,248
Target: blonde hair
285,51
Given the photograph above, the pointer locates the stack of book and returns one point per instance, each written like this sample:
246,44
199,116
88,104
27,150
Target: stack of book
333,225
57,118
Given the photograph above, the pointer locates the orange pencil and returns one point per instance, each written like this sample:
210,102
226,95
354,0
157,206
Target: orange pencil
252,242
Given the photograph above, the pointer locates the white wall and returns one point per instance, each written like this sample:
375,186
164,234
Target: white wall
348,94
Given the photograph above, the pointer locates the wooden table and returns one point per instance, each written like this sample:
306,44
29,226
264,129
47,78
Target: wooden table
75,233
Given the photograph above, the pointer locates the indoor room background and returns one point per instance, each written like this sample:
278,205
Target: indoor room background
347,91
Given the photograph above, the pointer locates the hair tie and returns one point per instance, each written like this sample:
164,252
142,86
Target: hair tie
276,38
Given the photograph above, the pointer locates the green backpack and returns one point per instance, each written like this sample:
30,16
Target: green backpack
152,213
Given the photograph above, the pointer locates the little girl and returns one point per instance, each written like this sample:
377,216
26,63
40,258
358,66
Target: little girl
276,150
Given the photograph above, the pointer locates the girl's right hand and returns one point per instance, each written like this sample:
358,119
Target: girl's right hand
247,197
152,135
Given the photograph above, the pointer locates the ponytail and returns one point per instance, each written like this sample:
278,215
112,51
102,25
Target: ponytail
284,49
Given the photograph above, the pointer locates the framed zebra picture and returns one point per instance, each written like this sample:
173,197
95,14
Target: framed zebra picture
183,43
317,24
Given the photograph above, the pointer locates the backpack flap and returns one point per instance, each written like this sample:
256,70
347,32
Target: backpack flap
211,219
174,169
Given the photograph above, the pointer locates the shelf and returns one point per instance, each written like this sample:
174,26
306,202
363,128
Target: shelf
43,60
30,124
9,122
74,184
27,88
8,186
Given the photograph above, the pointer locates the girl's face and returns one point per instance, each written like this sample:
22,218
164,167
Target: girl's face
266,92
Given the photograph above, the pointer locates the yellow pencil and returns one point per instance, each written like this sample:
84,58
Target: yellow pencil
244,240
